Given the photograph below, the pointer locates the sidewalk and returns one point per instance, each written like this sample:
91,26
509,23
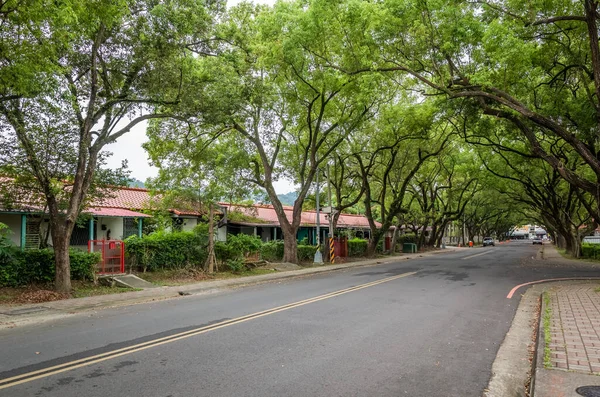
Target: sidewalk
566,354
571,359
18,315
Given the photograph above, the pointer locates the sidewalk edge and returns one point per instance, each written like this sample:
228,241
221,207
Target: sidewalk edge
511,368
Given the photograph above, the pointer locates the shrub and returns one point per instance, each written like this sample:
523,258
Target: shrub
306,252
591,251
272,251
164,250
241,244
357,247
235,265
38,266
83,264
406,238
223,251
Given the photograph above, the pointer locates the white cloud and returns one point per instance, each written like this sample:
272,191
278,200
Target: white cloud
129,147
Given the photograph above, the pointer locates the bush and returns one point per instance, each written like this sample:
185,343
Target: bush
591,251
164,250
272,251
241,244
406,238
83,264
38,266
236,247
235,265
357,247
306,252
223,251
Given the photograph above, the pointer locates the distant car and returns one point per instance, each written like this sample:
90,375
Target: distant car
537,240
488,241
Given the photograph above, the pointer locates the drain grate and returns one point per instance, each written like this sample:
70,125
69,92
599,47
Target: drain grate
26,310
588,391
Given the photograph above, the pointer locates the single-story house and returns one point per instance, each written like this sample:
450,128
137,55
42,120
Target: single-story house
261,220
121,214
114,217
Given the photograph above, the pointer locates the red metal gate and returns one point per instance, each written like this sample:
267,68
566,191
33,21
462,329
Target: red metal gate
341,247
113,255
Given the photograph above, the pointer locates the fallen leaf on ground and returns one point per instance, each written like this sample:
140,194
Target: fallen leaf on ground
39,296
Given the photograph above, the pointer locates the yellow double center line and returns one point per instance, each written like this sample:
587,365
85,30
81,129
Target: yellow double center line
83,362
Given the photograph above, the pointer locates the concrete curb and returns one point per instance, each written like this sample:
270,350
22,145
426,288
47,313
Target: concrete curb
511,368
64,308
540,343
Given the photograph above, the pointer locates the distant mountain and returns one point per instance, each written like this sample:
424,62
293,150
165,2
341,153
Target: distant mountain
288,198
136,183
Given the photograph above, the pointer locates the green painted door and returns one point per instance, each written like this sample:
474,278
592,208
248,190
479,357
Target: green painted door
302,234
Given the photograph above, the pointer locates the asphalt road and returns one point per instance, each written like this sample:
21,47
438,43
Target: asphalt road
425,327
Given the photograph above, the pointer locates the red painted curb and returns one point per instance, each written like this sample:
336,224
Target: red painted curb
512,291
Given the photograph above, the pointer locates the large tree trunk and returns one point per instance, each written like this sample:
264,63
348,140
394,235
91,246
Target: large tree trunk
433,236
290,246
374,240
60,242
569,244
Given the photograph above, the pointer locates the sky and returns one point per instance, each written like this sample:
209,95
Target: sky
129,146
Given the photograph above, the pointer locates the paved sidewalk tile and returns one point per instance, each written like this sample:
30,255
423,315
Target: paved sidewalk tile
575,328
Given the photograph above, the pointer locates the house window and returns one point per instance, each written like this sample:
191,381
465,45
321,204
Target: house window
80,235
32,232
130,227
177,224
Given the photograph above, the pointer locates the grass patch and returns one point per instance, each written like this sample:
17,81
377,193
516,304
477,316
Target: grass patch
547,316
564,254
177,277
254,272
82,290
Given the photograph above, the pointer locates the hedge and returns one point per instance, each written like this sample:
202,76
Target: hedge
406,238
590,251
38,266
242,244
357,247
165,250
306,252
272,251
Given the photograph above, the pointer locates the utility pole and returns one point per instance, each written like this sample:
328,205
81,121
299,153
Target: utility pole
318,257
331,215
330,204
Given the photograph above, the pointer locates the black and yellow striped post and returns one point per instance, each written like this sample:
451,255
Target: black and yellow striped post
331,250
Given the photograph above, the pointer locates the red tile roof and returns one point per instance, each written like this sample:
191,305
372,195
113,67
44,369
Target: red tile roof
267,215
127,200
120,212
126,197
